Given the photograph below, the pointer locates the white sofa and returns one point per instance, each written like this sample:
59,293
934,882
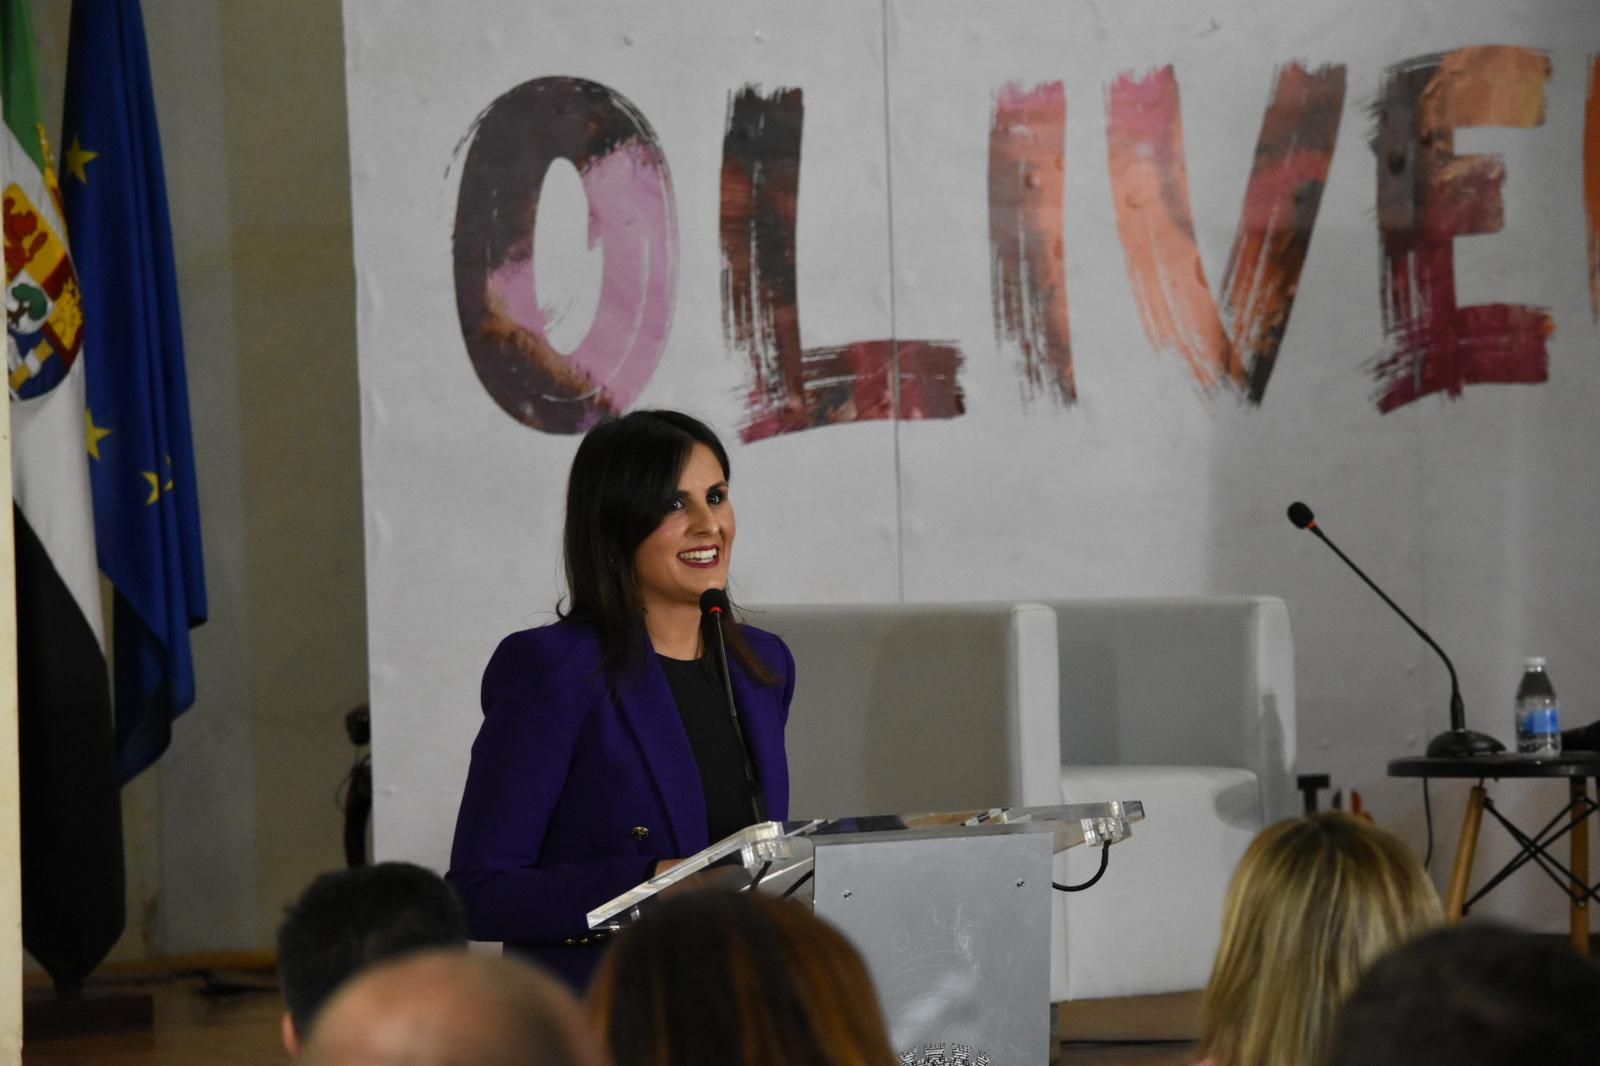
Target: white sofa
1184,704
1188,705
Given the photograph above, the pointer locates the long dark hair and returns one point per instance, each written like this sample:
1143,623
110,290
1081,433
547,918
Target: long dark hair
623,480
737,978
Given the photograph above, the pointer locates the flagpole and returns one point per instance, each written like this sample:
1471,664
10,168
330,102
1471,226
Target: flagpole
10,797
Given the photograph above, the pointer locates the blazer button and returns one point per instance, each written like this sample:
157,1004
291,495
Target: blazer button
640,832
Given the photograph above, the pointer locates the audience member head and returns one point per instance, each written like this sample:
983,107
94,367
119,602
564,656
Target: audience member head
739,979
1473,996
349,919
1312,904
449,1008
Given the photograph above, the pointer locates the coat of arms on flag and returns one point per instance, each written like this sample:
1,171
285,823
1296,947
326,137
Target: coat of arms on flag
44,312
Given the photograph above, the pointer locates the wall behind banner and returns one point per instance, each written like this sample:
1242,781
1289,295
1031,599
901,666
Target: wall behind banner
995,301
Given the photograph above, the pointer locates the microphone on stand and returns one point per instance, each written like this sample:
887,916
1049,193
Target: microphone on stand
713,608
1458,741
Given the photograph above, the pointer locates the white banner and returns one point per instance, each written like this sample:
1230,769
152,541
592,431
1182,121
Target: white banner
1132,277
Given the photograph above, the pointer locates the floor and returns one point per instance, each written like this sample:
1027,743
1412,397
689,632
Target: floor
195,1023
234,1020
1136,1031
1127,1054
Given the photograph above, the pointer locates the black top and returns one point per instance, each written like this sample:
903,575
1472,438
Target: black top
1567,764
703,706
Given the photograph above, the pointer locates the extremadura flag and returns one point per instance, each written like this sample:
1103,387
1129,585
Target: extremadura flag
72,872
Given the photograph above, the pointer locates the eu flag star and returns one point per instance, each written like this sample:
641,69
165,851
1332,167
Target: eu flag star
157,486
96,434
78,158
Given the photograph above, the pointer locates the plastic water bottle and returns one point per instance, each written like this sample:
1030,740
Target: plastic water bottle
1538,717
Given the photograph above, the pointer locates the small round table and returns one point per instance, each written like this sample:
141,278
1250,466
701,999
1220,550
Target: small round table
1577,767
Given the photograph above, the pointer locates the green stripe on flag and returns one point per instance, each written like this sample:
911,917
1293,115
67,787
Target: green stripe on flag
19,80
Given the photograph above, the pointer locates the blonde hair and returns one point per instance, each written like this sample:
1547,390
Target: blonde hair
1314,902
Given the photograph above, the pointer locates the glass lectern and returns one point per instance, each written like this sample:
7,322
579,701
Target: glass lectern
951,912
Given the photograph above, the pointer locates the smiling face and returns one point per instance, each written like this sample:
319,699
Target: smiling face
688,552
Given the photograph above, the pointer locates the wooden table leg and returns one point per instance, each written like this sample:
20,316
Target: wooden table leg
1579,836
1464,851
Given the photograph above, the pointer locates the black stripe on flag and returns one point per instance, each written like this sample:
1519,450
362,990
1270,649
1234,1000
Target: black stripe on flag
72,872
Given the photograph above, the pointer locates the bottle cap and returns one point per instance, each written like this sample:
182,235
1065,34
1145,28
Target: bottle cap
1534,662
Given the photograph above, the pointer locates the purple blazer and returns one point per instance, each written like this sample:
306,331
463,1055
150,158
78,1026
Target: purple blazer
578,784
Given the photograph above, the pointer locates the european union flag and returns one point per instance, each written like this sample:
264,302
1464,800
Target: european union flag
146,514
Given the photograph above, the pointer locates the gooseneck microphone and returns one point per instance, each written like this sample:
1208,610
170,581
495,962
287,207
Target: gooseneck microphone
1458,741
713,609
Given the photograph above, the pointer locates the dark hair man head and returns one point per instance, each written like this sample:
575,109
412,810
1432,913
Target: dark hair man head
447,1008
1473,996
351,918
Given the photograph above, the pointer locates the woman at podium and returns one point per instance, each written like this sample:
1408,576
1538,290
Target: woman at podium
608,748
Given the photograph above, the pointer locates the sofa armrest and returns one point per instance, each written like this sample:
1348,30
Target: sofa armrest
1275,723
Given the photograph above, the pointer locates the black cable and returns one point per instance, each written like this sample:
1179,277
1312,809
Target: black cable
1105,859
1427,814
792,889
760,874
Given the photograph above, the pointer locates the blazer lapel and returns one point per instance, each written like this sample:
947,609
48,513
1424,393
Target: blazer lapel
650,711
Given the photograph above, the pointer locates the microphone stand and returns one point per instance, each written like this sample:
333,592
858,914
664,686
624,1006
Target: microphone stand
758,804
1458,742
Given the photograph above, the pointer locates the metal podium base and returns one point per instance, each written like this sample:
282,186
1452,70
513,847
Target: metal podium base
955,930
